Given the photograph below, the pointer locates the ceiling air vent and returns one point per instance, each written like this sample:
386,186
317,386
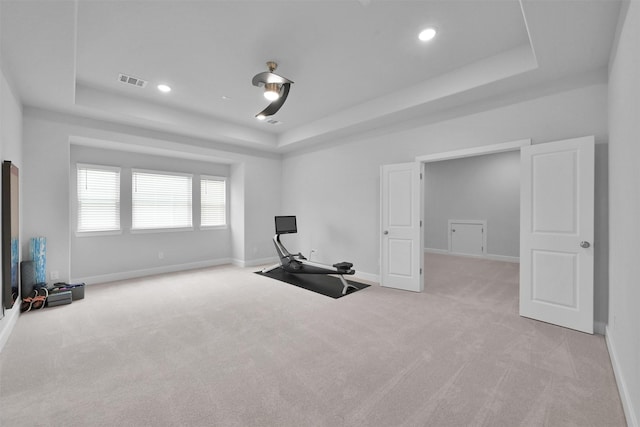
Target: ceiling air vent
272,122
130,80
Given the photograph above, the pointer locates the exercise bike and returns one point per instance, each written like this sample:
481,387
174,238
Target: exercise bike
298,264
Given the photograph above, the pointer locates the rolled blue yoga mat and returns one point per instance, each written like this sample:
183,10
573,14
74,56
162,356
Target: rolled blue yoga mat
38,250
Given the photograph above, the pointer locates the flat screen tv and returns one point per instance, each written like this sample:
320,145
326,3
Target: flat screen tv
286,224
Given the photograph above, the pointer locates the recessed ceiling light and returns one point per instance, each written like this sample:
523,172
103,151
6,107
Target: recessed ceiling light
164,88
427,34
225,98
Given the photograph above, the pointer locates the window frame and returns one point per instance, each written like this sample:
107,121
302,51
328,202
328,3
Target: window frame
134,230
94,233
226,202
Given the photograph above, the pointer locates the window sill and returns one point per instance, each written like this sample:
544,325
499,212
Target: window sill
159,230
213,227
98,233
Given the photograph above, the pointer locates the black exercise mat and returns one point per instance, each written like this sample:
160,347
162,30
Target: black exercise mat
319,283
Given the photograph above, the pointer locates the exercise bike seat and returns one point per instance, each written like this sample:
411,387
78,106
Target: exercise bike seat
343,266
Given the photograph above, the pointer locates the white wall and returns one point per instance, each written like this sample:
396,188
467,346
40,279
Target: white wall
262,202
335,190
47,200
623,329
475,188
108,256
10,149
237,211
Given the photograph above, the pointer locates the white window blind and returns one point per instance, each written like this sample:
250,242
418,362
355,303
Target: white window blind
160,200
98,198
213,201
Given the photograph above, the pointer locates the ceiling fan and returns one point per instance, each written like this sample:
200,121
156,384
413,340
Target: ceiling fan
276,89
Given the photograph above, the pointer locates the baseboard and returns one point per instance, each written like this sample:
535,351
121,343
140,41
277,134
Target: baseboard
375,278
112,277
254,262
505,258
627,403
8,322
437,251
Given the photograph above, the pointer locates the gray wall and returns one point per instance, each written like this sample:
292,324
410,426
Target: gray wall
623,333
112,254
255,197
335,189
475,188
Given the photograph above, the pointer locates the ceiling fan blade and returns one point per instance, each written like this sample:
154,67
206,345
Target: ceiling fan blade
275,105
261,79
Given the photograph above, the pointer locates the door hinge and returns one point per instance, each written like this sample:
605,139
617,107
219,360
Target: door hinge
420,271
420,223
420,175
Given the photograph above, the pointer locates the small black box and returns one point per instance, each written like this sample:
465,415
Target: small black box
77,289
56,298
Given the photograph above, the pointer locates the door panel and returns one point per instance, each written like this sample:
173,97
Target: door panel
399,193
554,275
554,194
400,256
556,233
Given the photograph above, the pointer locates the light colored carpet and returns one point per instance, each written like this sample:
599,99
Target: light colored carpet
226,347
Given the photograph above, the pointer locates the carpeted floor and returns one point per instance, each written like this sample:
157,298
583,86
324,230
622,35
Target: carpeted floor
226,347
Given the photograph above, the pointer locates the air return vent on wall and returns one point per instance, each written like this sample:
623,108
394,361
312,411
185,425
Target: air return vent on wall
130,80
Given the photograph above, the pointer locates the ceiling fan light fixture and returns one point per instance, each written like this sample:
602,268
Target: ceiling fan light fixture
276,89
271,91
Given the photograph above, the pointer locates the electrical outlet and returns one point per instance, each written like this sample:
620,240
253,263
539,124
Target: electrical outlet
55,275
161,255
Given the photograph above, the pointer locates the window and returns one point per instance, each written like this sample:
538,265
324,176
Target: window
213,201
98,198
160,200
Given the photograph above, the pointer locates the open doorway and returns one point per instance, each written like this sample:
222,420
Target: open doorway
401,215
471,225
556,228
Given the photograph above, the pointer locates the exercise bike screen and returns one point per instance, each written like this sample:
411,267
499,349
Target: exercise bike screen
286,224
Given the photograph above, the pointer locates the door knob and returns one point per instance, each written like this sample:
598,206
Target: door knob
385,232
585,244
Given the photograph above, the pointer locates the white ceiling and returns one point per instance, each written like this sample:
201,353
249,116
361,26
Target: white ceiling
357,65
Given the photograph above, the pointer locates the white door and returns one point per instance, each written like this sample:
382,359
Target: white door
401,229
556,233
466,237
